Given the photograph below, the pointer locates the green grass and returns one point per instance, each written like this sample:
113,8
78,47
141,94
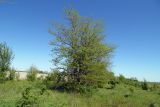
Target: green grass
11,93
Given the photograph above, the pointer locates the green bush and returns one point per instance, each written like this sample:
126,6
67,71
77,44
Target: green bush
63,82
112,84
131,89
95,79
32,73
3,76
154,87
12,74
145,85
121,78
29,98
59,81
53,78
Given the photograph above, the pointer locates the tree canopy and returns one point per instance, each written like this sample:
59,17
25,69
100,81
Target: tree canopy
80,49
6,56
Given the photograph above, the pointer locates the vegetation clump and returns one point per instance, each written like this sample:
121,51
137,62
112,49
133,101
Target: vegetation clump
29,99
12,74
32,73
145,85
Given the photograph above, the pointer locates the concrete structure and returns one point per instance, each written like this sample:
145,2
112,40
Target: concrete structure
23,75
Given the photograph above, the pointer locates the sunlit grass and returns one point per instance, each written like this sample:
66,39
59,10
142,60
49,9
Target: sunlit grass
10,93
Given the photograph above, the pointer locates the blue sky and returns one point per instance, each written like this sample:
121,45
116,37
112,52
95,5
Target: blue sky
132,25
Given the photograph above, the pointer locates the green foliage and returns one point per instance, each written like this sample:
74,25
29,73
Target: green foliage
43,89
131,89
57,80
145,85
95,79
129,81
155,87
12,74
53,78
127,94
121,78
29,99
2,77
133,82
11,96
111,84
32,73
6,56
80,50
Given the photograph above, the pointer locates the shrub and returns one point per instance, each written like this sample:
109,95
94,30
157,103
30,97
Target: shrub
154,87
60,81
53,78
3,76
145,85
121,78
12,74
133,82
43,89
32,74
29,99
127,94
112,84
94,79
131,89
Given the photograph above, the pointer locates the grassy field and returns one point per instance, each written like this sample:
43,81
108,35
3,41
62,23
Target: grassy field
121,96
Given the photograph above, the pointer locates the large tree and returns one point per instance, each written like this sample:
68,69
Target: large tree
6,56
80,50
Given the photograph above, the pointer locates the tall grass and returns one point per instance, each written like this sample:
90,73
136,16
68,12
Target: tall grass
11,93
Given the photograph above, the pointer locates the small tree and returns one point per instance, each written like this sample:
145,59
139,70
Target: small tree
32,73
145,85
121,78
28,99
6,56
12,74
